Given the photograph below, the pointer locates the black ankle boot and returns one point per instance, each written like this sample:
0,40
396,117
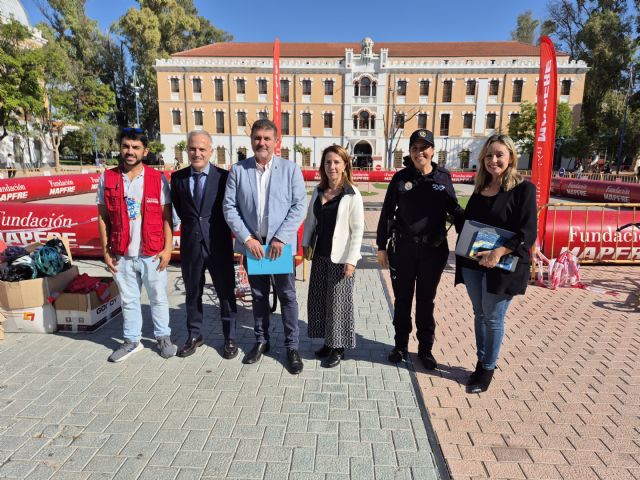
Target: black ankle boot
473,378
335,356
482,381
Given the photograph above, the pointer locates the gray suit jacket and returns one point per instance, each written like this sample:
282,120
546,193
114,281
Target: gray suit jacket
286,202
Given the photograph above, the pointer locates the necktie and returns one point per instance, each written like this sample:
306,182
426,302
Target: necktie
197,190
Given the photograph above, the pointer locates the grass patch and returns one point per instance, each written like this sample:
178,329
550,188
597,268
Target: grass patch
367,194
463,201
381,186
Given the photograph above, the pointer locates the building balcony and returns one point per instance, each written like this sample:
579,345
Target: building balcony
364,100
364,132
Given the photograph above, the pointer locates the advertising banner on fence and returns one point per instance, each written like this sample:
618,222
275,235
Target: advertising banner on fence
593,235
25,189
545,128
596,191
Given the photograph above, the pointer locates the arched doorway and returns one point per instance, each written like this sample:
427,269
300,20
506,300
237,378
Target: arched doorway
362,155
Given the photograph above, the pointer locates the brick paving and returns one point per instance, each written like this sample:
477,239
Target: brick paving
565,401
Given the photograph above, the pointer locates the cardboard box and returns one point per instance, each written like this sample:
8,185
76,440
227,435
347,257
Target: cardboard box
30,320
115,305
85,312
34,293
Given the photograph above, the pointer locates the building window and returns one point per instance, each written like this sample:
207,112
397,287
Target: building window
424,88
284,90
328,120
262,86
284,153
175,85
262,115
220,154
365,88
493,87
328,87
197,85
464,159
219,122
241,86
467,121
565,87
471,87
399,121
197,118
517,91
364,121
242,119
491,121
306,159
447,88
397,159
219,89
176,117
242,153
422,120
442,158
402,88
306,87
444,124
306,120
285,123
513,117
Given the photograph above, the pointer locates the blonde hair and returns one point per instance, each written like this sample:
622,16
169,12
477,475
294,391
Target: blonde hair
510,178
344,155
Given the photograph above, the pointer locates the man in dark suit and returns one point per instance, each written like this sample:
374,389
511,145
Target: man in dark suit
205,243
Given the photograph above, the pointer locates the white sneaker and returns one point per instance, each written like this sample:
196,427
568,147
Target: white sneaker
125,351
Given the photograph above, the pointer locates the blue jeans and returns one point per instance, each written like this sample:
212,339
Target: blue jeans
133,272
489,311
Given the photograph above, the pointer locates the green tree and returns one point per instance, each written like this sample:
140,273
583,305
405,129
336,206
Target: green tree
79,142
156,29
526,28
523,128
156,147
21,71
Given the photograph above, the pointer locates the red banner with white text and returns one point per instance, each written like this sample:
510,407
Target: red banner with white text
277,103
545,129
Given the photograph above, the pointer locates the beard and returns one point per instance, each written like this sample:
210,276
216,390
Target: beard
130,162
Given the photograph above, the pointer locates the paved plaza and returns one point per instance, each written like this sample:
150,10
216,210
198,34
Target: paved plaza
564,404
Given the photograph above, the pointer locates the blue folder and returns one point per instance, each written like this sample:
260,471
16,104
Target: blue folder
266,266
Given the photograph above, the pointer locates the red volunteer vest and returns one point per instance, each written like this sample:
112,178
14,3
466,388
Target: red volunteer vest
152,235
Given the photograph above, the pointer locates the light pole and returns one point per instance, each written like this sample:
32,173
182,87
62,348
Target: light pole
624,121
95,143
137,86
446,150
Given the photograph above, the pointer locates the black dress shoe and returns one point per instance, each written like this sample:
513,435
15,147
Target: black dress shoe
256,353
323,352
230,349
294,361
428,360
189,348
335,356
397,355
483,380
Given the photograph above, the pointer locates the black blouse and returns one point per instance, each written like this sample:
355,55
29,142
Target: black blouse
514,210
326,223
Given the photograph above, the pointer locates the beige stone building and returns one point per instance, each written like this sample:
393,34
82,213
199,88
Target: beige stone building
367,97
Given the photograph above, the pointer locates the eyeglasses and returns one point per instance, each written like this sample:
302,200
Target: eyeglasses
132,130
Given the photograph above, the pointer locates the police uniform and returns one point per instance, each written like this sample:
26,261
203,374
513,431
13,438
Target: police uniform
412,230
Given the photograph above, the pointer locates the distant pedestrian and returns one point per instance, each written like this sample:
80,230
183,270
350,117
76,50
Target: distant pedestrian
11,166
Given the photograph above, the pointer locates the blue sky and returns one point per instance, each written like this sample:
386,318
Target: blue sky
344,21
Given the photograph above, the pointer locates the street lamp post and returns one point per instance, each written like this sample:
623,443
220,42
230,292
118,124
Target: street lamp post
137,86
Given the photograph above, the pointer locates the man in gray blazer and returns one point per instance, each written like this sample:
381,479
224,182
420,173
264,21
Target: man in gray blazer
265,204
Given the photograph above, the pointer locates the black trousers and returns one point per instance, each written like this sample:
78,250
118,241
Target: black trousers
224,285
416,268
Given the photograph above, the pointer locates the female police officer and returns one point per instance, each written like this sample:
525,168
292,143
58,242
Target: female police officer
412,242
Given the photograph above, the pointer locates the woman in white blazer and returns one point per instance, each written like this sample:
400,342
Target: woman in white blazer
332,236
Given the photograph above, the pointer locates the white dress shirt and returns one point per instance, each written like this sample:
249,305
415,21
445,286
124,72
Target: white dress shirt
263,175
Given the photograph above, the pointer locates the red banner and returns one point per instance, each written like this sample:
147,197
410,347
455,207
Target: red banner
384,176
596,190
545,128
26,189
277,101
593,235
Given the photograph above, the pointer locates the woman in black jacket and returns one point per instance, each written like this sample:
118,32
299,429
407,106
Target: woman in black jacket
502,199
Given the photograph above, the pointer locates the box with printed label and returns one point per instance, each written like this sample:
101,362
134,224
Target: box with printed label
84,312
115,305
30,320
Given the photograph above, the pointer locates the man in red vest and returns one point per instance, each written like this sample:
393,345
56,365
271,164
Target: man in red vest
136,233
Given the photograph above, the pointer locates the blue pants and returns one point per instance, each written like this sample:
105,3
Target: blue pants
286,291
133,272
489,311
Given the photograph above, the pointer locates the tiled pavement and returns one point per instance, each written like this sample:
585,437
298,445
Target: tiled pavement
65,413
565,402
